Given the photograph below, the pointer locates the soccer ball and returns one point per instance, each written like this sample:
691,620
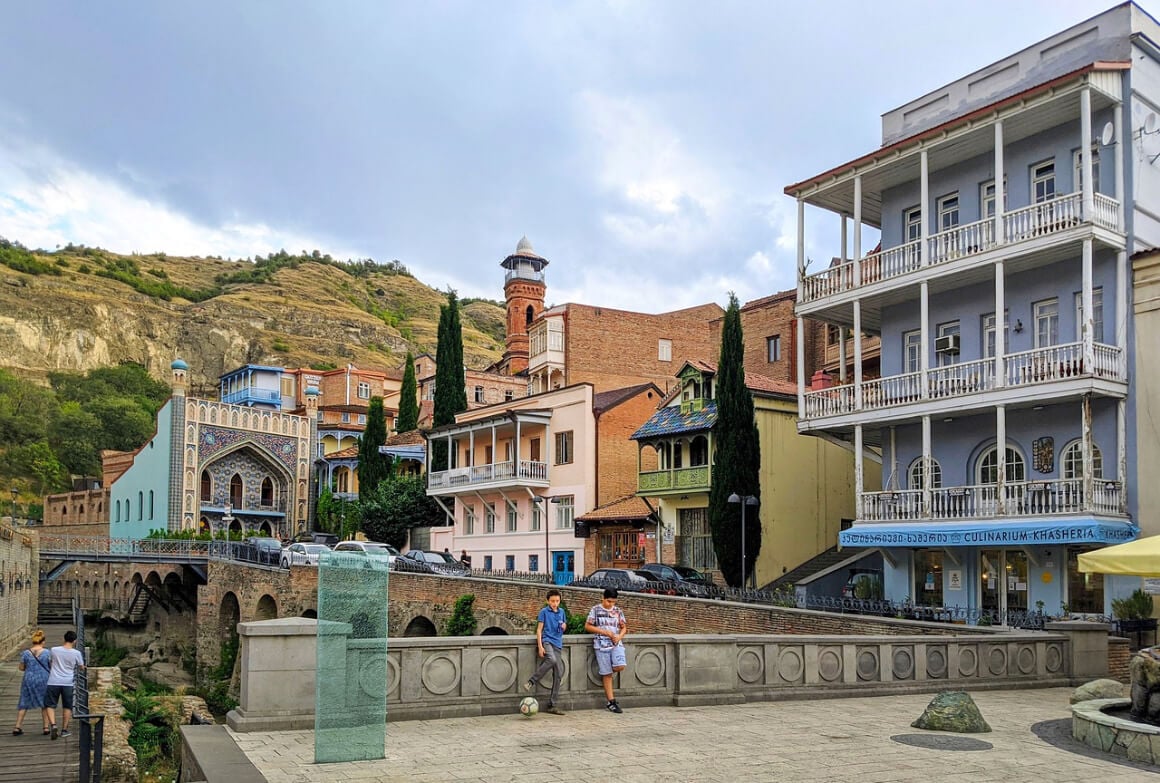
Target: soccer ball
529,707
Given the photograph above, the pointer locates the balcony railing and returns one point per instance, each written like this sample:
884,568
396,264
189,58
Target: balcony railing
1037,220
489,474
251,394
693,479
981,501
1026,368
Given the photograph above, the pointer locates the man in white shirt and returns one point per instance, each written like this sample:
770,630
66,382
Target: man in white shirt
65,661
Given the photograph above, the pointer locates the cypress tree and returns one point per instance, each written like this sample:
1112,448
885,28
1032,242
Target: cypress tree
408,398
373,467
737,458
450,385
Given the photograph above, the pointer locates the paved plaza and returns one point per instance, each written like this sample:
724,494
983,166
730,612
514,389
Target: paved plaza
867,740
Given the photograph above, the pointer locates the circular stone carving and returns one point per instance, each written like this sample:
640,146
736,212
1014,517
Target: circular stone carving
1054,658
370,673
829,665
440,674
392,675
498,672
1025,660
593,670
789,665
868,665
903,664
997,660
750,665
936,662
649,667
968,661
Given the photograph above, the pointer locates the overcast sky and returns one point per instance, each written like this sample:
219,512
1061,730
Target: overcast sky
641,146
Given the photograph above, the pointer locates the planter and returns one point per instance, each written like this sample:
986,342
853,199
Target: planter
1137,628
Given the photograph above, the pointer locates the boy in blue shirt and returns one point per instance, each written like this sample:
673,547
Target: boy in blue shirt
550,644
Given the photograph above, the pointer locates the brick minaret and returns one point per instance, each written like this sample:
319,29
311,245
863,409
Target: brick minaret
523,289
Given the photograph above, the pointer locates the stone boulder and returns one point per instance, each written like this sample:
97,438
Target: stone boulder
952,711
1098,689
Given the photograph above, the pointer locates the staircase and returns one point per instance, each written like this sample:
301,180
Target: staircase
54,611
139,606
831,557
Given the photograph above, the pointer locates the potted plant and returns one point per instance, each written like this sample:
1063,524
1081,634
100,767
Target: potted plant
1134,613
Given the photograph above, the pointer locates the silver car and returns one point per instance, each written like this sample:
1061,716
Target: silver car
302,554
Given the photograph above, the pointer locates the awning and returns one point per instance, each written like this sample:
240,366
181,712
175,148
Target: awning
415,452
1069,530
1135,558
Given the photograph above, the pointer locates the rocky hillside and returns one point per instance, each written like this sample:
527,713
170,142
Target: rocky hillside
81,308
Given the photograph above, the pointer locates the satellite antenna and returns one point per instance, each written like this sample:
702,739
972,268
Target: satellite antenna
1108,132
1150,122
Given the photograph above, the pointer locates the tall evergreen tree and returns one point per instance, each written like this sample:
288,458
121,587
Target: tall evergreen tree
373,467
737,460
408,398
450,384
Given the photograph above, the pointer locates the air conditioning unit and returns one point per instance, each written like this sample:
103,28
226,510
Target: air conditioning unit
947,344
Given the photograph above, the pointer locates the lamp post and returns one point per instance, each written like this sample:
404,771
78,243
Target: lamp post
227,520
15,493
744,500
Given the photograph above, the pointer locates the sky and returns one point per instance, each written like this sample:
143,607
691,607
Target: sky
642,147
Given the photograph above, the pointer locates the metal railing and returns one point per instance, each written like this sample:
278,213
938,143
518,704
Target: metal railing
981,501
144,549
92,727
694,478
529,470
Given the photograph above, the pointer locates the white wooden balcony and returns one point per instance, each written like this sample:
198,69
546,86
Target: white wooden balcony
1052,497
1035,368
1055,217
494,476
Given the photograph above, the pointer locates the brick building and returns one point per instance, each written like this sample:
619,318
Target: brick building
85,510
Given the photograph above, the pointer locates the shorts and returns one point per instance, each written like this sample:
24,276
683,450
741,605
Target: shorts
62,692
610,659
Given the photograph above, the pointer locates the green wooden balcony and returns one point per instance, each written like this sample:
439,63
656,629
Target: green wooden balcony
695,479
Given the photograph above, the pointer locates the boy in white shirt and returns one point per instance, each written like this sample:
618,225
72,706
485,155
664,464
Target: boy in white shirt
65,661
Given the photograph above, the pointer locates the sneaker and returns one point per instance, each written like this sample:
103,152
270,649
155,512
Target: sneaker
66,733
612,706
529,685
554,710
55,733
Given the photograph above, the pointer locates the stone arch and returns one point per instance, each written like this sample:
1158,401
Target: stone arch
420,626
265,529
267,608
153,579
310,613
492,630
229,615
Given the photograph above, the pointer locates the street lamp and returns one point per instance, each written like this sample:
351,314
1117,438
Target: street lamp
227,520
744,500
15,493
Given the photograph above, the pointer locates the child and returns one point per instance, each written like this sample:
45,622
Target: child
606,621
550,644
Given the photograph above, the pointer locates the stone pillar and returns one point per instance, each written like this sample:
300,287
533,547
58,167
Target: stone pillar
277,664
1087,647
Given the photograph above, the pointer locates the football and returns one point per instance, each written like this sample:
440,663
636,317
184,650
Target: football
529,707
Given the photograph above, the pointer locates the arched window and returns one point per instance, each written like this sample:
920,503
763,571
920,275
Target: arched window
64,510
529,314
1071,460
81,509
699,451
340,481
664,456
988,467
140,506
267,492
206,487
236,491
151,504
916,474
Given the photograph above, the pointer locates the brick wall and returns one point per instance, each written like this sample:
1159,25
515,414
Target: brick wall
83,513
19,583
1119,656
616,466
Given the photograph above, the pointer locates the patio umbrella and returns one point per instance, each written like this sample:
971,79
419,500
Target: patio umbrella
1135,558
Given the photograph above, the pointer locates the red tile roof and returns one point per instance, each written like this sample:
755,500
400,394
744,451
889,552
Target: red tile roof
626,508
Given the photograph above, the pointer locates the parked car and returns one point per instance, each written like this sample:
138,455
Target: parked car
317,537
426,561
372,548
267,551
628,579
302,554
677,580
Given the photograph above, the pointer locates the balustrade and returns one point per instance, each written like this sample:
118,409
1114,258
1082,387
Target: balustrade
981,501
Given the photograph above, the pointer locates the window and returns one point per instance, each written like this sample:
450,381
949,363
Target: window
948,212
988,470
346,418
987,198
1097,315
699,451
1046,322
1071,461
469,520
489,511
912,351
665,350
949,329
912,224
533,563
362,418
773,348
150,505
509,562
267,492
916,474
479,394
564,511
564,448
534,447
364,390
989,335
236,491
928,577
512,517
140,506
487,562
287,385
833,334
1043,181
206,487
537,517
1077,168
509,395
694,540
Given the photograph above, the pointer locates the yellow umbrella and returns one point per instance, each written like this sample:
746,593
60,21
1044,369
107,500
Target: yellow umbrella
1135,558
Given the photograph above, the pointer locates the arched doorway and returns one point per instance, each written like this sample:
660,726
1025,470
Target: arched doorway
420,626
267,608
493,630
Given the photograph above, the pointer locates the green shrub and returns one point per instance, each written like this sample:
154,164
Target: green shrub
1137,606
462,621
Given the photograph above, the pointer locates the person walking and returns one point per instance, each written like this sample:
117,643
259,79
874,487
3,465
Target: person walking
34,662
606,621
550,627
65,661
465,559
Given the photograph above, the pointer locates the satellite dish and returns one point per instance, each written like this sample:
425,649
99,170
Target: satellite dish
1108,133
1150,122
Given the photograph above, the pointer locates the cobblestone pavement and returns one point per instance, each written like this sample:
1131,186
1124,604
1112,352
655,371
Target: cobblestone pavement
866,740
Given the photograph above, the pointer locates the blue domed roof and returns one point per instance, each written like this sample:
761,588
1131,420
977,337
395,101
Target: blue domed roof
179,364
312,391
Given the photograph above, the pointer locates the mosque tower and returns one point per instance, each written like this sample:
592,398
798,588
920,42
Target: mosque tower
523,290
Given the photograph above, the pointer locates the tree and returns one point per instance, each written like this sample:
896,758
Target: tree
396,506
374,467
462,621
450,385
326,512
737,459
408,398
